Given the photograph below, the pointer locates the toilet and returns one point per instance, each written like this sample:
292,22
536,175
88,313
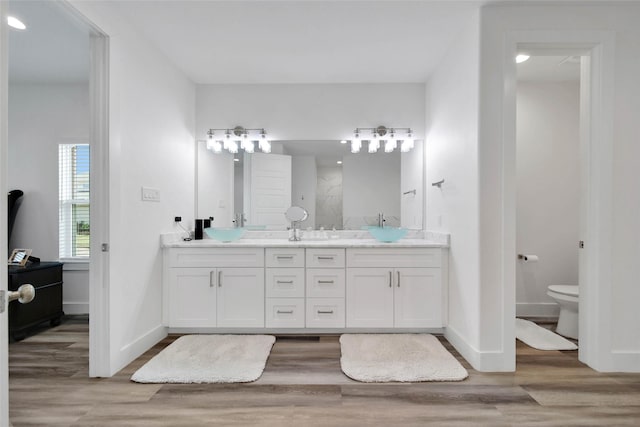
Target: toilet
567,297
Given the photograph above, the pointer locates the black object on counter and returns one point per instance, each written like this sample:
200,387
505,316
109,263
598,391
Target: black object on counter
198,232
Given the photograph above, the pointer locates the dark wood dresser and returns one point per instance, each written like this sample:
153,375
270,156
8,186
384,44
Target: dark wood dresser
46,277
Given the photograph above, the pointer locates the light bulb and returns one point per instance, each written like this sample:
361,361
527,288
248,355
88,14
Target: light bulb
227,141
374,144
233,147
217,146
210,141
520,58
390,145
16,23
355,145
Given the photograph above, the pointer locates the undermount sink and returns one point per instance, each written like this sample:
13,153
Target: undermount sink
388,234
225,234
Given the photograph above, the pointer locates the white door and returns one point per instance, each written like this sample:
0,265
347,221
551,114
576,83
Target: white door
192,297
240,297
270,190
418,298
369,298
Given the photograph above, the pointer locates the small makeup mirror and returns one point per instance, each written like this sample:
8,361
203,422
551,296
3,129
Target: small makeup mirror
296,214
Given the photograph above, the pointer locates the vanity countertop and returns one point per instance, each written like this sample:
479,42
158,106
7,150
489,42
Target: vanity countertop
282,243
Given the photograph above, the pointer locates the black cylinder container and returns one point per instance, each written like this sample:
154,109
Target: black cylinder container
198,232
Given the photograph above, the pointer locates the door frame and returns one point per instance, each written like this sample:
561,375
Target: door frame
4,317
596,154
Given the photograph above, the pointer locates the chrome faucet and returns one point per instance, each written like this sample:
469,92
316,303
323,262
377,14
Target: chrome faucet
381,220
239,220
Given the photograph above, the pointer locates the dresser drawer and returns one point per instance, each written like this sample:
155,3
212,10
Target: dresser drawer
216,257
284,282
321,258
285,257
325,313
284,313
394,257
325,282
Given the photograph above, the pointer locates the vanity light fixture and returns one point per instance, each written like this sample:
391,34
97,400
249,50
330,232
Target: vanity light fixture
238,138
390,138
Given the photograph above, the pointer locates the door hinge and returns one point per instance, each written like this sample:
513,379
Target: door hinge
105,247
2,301
581,244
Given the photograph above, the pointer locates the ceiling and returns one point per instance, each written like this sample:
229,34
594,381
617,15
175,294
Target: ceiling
264,41
53,48
550,69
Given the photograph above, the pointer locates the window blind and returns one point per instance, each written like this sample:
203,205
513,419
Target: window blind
73,185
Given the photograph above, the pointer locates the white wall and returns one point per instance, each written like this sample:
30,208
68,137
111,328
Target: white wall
548,191
366,191
451,144
41,116
614,338
310,111
304,181
151,143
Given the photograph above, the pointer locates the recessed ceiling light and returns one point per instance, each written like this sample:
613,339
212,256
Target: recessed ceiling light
339,162
15,23
235,159
344,141
521,58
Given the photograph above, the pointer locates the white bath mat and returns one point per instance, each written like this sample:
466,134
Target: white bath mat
208,359
538,337
398,357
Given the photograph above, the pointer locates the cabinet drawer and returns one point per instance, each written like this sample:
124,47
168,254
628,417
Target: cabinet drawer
284,257
216,257
284,313
394,257
325,313
320,258
285,282
325,282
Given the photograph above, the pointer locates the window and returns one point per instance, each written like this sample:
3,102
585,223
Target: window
73,219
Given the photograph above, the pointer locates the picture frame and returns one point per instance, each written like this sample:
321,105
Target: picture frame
19,257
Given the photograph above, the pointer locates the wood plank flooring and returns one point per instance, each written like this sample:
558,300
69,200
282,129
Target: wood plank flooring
303,386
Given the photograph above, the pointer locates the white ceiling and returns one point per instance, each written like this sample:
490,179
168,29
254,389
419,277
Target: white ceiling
550,68
53,48
301,41
264,41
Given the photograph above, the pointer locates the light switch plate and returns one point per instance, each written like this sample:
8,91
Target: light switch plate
150,194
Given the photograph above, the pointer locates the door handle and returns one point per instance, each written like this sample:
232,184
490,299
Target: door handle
325,281
285,311
211,279
325,311
325,257
220,278
284,281
398,279
390,279
25,294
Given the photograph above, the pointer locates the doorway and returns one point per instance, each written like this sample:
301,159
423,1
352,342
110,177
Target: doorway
548,187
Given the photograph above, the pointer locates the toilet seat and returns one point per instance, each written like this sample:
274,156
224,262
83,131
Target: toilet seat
568,290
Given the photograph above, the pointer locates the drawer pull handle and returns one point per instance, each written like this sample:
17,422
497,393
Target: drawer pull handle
325,281
325,257
284,281
211,284
284,256
398,279
220,278
285,311
325,311
390,279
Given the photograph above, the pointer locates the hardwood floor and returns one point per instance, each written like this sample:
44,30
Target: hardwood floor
303,386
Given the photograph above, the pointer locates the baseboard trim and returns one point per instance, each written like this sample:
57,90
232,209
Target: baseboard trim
483,361
542,309
625,361
75,307
133,350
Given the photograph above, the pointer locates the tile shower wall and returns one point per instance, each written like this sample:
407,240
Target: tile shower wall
329,198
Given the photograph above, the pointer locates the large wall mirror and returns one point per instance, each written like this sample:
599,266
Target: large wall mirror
339,189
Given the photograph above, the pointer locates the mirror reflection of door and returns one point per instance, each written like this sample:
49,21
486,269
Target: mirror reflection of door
269,178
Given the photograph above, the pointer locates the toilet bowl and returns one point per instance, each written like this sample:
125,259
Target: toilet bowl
567,297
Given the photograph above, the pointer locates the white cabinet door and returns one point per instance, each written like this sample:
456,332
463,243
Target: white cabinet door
369,298
192,297
240,297
417,298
